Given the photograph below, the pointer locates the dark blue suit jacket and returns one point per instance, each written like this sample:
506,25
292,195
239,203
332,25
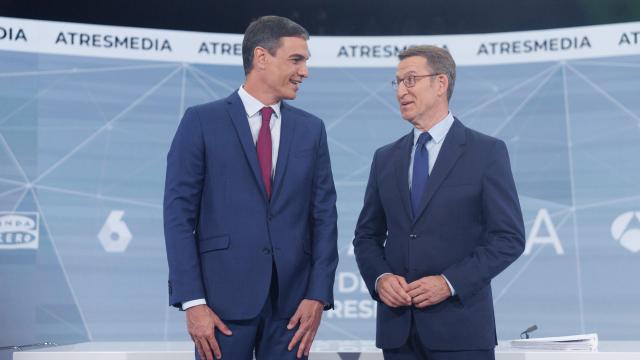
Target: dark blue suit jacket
223,234
469,228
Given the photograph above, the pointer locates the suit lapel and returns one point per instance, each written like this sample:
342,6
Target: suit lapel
287,129
239,118
452,148
403,156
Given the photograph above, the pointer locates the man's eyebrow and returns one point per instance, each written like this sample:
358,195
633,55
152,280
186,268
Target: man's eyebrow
410,72
298,57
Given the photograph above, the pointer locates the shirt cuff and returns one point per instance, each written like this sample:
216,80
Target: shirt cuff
379,277
453,291
192,303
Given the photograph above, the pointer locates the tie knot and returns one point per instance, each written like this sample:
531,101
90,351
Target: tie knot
423,139
266,112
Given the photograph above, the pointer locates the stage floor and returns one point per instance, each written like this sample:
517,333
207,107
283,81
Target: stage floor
322,350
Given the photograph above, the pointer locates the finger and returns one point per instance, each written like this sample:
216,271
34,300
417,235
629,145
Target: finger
384,299
415,292
413,285
403,283
312,336
307,339
206,350
391,294
304,323
401,295
213,343
420,298
222,326
296,338
397,286
294,320
397,298
424,304
387,299
199,349
302,349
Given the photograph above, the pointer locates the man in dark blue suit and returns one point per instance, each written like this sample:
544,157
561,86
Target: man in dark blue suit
249,209
440,219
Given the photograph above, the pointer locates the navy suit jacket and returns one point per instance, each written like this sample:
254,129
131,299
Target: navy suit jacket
469,228
222,233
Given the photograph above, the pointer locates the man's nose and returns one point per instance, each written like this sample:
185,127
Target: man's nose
401,90
304,70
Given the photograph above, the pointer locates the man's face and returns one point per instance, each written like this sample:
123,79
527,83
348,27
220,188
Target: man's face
286,69
420,99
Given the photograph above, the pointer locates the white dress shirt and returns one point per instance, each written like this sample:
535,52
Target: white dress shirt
252,107
438,133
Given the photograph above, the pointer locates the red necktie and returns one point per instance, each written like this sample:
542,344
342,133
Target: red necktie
264,148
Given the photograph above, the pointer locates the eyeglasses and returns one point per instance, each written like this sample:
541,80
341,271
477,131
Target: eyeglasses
410,80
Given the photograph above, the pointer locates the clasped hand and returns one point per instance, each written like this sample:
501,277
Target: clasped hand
394,291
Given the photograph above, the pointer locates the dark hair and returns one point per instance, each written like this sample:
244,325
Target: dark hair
438,59
266,32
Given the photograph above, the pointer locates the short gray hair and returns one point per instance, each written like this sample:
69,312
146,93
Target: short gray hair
438,59
266,32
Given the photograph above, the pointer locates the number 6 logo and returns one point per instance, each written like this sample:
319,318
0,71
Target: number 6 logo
115,235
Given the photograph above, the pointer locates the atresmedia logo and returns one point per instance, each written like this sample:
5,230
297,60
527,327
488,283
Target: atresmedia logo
626,230
19,230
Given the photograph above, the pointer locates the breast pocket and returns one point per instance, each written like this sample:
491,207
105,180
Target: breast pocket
304,153
452,184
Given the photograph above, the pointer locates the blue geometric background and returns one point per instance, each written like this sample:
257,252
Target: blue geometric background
83,137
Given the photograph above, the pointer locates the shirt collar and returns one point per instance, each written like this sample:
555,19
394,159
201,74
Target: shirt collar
253,105
438,132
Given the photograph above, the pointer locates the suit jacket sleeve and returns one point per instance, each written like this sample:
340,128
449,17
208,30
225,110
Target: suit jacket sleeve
370,235
183,189
504,229
324,218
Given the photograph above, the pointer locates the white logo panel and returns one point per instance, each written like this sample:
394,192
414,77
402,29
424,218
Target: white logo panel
628,236
115,235
19,230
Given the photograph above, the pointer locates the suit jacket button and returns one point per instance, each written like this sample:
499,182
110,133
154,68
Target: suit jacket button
413,236
266,251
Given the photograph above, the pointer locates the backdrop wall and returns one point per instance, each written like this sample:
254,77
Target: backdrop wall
87,114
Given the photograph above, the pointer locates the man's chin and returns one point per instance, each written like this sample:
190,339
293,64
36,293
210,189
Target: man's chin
290,96
407,117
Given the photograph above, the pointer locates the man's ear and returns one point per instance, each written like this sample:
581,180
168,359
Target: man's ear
259,57
443,80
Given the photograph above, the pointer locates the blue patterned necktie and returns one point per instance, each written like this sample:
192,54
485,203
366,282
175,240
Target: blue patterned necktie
420,171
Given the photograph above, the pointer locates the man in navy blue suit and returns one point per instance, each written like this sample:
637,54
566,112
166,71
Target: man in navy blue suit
249,209
440,219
